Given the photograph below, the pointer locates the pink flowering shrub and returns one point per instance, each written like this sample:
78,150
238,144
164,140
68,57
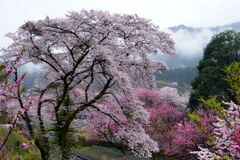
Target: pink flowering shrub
225,138
166,109
148,97
169,126
163,116
162,120
187,135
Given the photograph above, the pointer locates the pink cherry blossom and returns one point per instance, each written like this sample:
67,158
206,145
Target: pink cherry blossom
21,111
25,146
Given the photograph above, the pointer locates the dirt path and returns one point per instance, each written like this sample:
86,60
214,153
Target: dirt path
82,156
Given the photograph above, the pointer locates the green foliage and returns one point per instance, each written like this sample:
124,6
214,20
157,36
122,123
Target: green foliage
53,85
3,75
22,89
57,131
183,76
213,105
194,116
233,78
197,119
222,50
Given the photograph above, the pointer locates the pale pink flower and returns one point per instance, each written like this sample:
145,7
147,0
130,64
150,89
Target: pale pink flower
21,111
25,146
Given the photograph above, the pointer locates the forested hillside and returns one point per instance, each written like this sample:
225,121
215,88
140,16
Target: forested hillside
183,77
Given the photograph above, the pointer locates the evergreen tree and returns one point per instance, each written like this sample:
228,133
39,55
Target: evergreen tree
223,49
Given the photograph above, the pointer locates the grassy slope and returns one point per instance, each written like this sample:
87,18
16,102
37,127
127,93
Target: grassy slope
14,147
107,154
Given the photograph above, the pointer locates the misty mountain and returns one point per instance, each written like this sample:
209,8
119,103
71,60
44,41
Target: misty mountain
234,26
190,43
183,27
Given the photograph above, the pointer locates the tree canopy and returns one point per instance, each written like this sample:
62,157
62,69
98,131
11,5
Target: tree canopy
222,50
87,57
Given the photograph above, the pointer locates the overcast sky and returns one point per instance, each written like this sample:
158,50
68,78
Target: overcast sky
164,13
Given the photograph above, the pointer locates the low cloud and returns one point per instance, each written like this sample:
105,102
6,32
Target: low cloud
31,68
189,44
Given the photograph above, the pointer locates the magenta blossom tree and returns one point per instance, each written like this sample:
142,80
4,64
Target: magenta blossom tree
162,120
169,126
163,117
94,55
187,136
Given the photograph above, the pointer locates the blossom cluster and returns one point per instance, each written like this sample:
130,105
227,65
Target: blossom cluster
226,136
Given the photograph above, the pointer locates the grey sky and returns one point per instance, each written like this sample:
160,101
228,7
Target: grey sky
164,13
